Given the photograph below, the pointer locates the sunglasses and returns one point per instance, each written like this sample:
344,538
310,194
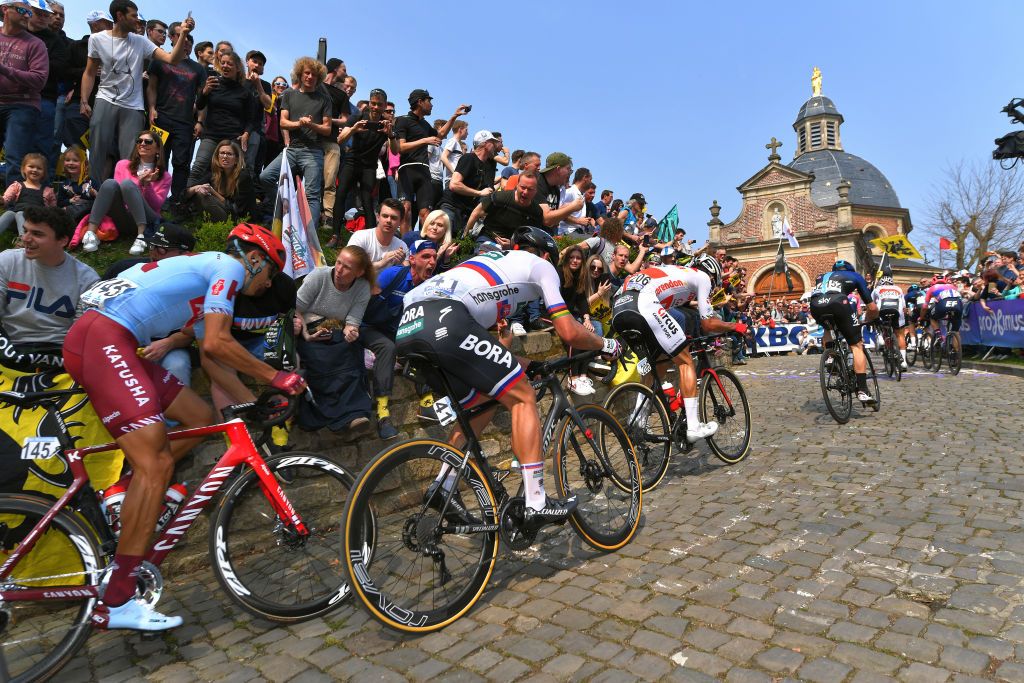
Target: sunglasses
597,269
280,84
23,11
145,141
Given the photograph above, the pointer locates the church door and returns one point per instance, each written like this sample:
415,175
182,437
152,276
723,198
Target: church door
776,284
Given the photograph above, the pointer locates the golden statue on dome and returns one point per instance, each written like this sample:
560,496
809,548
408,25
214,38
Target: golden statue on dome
816,82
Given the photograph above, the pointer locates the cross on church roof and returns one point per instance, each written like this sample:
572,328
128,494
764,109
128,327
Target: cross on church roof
773,146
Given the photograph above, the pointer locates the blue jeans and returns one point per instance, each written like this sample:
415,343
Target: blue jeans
44,135
17,135
307,161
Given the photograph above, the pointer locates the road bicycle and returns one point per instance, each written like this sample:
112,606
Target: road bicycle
891,359
914,340
436,547
947,344
838,381
275,547
654,425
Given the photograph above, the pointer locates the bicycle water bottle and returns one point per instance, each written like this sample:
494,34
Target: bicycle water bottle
675,400
173,499
113,498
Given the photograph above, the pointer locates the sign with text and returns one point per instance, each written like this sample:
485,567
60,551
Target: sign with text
787,338
1003,327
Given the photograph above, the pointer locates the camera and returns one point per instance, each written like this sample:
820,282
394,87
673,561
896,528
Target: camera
374,125
1011,145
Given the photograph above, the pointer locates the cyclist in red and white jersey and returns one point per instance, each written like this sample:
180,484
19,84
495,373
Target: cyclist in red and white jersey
131,395
890,301
447,318
655,302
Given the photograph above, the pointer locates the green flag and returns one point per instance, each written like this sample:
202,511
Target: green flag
667,225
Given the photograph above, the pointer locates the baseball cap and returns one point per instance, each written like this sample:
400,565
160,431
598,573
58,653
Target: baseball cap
482,136
417,95
172,236
420,245
96,15
639,197
555,160
15,2
40,5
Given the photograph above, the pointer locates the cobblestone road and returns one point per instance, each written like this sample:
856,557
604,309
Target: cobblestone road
887,548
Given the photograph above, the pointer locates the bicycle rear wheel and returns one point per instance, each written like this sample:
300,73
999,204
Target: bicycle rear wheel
924,350
954,353
647,424
41,637
262,562
872,380
604,476
938,348
835,385
426,571
912,349
725,402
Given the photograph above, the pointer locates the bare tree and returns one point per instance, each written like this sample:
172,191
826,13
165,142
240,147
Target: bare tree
980,207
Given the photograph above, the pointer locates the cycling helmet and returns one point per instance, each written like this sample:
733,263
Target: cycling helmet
710,265
535,238
843,264
267,241
938,278
914,288
653,259
885,280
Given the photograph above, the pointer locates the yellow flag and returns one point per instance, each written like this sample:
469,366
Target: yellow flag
897,246
157,130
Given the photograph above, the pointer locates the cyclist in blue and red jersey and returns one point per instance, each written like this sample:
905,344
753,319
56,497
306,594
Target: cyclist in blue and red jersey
942,302
132,395
832,297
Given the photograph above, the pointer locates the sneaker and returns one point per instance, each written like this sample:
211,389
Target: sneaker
356,429
555,511
456,512
540,325
580,387
90,242
133,614
386,429
138,247
865,397
518,329
701,430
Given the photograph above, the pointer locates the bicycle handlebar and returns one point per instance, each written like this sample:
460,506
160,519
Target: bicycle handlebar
272,408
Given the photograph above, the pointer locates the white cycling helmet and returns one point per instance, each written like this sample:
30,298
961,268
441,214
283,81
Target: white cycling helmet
710,265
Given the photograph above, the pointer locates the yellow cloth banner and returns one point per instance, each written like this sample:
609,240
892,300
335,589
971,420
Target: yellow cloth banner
897,246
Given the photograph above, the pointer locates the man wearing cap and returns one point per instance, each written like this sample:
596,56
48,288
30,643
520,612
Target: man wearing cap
340,113
554,175
470,182
23,74
414,135
40,25
380,324
116,60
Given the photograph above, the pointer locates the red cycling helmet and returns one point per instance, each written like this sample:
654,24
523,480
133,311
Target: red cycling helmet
938,278
267,241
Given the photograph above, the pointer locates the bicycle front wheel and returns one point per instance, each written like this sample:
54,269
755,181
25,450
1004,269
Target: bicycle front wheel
954,354
647,424
262,562
41,637
723,400
835,386
605,478
426,571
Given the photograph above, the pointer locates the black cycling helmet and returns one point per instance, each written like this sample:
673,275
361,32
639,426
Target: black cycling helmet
914,288
843,264
707,263
528,236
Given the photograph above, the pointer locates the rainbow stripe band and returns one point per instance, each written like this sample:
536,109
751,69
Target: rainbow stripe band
557,311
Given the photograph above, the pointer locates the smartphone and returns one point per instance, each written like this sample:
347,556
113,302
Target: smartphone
373,125
603,278
647,241
469,108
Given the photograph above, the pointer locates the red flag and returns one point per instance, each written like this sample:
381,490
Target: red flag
946,245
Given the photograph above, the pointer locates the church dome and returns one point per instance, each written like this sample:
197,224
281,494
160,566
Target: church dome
868,186
818,105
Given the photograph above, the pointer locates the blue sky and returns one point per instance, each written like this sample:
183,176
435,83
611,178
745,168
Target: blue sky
675,100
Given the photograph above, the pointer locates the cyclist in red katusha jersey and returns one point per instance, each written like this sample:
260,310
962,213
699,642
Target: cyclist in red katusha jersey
654,302
131,394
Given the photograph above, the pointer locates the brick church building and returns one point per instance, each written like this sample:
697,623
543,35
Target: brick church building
835,202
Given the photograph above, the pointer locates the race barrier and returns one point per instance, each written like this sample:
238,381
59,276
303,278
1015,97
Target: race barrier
1003,327
786,337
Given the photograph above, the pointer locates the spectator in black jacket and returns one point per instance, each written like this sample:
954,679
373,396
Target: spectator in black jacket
60,55
227,188
226,113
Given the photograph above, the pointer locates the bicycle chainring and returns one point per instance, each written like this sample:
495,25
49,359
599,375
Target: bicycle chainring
149,584
512,527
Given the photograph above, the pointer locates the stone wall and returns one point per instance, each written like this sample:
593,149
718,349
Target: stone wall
193,551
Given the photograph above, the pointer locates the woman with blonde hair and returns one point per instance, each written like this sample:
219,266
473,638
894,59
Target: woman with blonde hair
438,229
227,111
329,307
226,191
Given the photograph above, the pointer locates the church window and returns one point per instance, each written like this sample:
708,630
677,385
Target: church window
803,139
816,135
830,133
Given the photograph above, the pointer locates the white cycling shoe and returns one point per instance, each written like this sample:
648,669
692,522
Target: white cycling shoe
135,615
865,397
701,430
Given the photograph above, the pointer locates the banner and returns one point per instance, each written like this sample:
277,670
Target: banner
786,337
898,246
667,225
1003,327
301,244
787,231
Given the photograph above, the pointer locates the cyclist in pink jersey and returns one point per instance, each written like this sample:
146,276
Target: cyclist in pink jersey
131,394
